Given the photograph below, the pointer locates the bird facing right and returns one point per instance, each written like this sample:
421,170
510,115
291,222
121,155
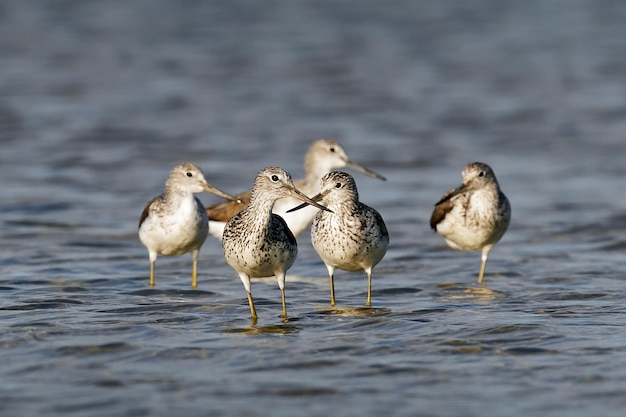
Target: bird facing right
475,215
175,222
258,243
351,236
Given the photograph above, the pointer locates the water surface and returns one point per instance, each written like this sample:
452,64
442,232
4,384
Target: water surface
99,99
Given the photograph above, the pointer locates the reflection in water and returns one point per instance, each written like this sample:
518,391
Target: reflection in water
353,311
95,349
455,291
278,329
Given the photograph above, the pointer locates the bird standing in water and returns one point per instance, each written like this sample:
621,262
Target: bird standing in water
258,243
175,222
475,215
351,236
323,156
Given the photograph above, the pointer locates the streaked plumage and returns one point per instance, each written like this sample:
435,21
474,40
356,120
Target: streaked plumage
258,243
323,156
475,215
175,222
351,236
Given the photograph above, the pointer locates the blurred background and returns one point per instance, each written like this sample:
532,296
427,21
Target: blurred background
99,99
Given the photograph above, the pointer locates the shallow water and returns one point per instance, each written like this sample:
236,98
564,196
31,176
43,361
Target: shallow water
99,99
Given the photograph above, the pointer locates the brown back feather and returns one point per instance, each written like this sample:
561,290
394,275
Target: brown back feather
222,212
442,208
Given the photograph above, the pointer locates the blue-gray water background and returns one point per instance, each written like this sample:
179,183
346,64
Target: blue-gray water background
100,99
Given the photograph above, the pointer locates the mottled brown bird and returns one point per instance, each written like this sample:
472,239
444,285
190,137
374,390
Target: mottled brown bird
474,215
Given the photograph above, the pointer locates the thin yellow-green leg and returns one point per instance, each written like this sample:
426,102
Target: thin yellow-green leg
153,257
280,280
282,296
245,280
331,277
483,265
152,274
194,271
368,303
252,309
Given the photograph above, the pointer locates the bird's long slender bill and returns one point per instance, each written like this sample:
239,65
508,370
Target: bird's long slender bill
315,199
363,170
211,189
307,201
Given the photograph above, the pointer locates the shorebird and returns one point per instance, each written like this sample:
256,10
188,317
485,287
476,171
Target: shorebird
175,222
474,215
258,243
323,156
351,236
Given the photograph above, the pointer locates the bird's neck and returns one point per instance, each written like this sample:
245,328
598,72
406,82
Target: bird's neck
259,210
481,201
174,196
347,206
315,171
177,190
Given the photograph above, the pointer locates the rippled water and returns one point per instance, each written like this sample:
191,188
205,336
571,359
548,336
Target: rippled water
99,99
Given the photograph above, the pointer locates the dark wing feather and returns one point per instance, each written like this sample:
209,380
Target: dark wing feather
288,233
380,222
442,208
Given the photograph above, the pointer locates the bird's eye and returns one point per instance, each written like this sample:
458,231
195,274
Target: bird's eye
274,178
482,174
189,174
332,150
338,185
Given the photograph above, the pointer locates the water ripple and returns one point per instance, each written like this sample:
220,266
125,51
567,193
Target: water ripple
95,349
113,94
